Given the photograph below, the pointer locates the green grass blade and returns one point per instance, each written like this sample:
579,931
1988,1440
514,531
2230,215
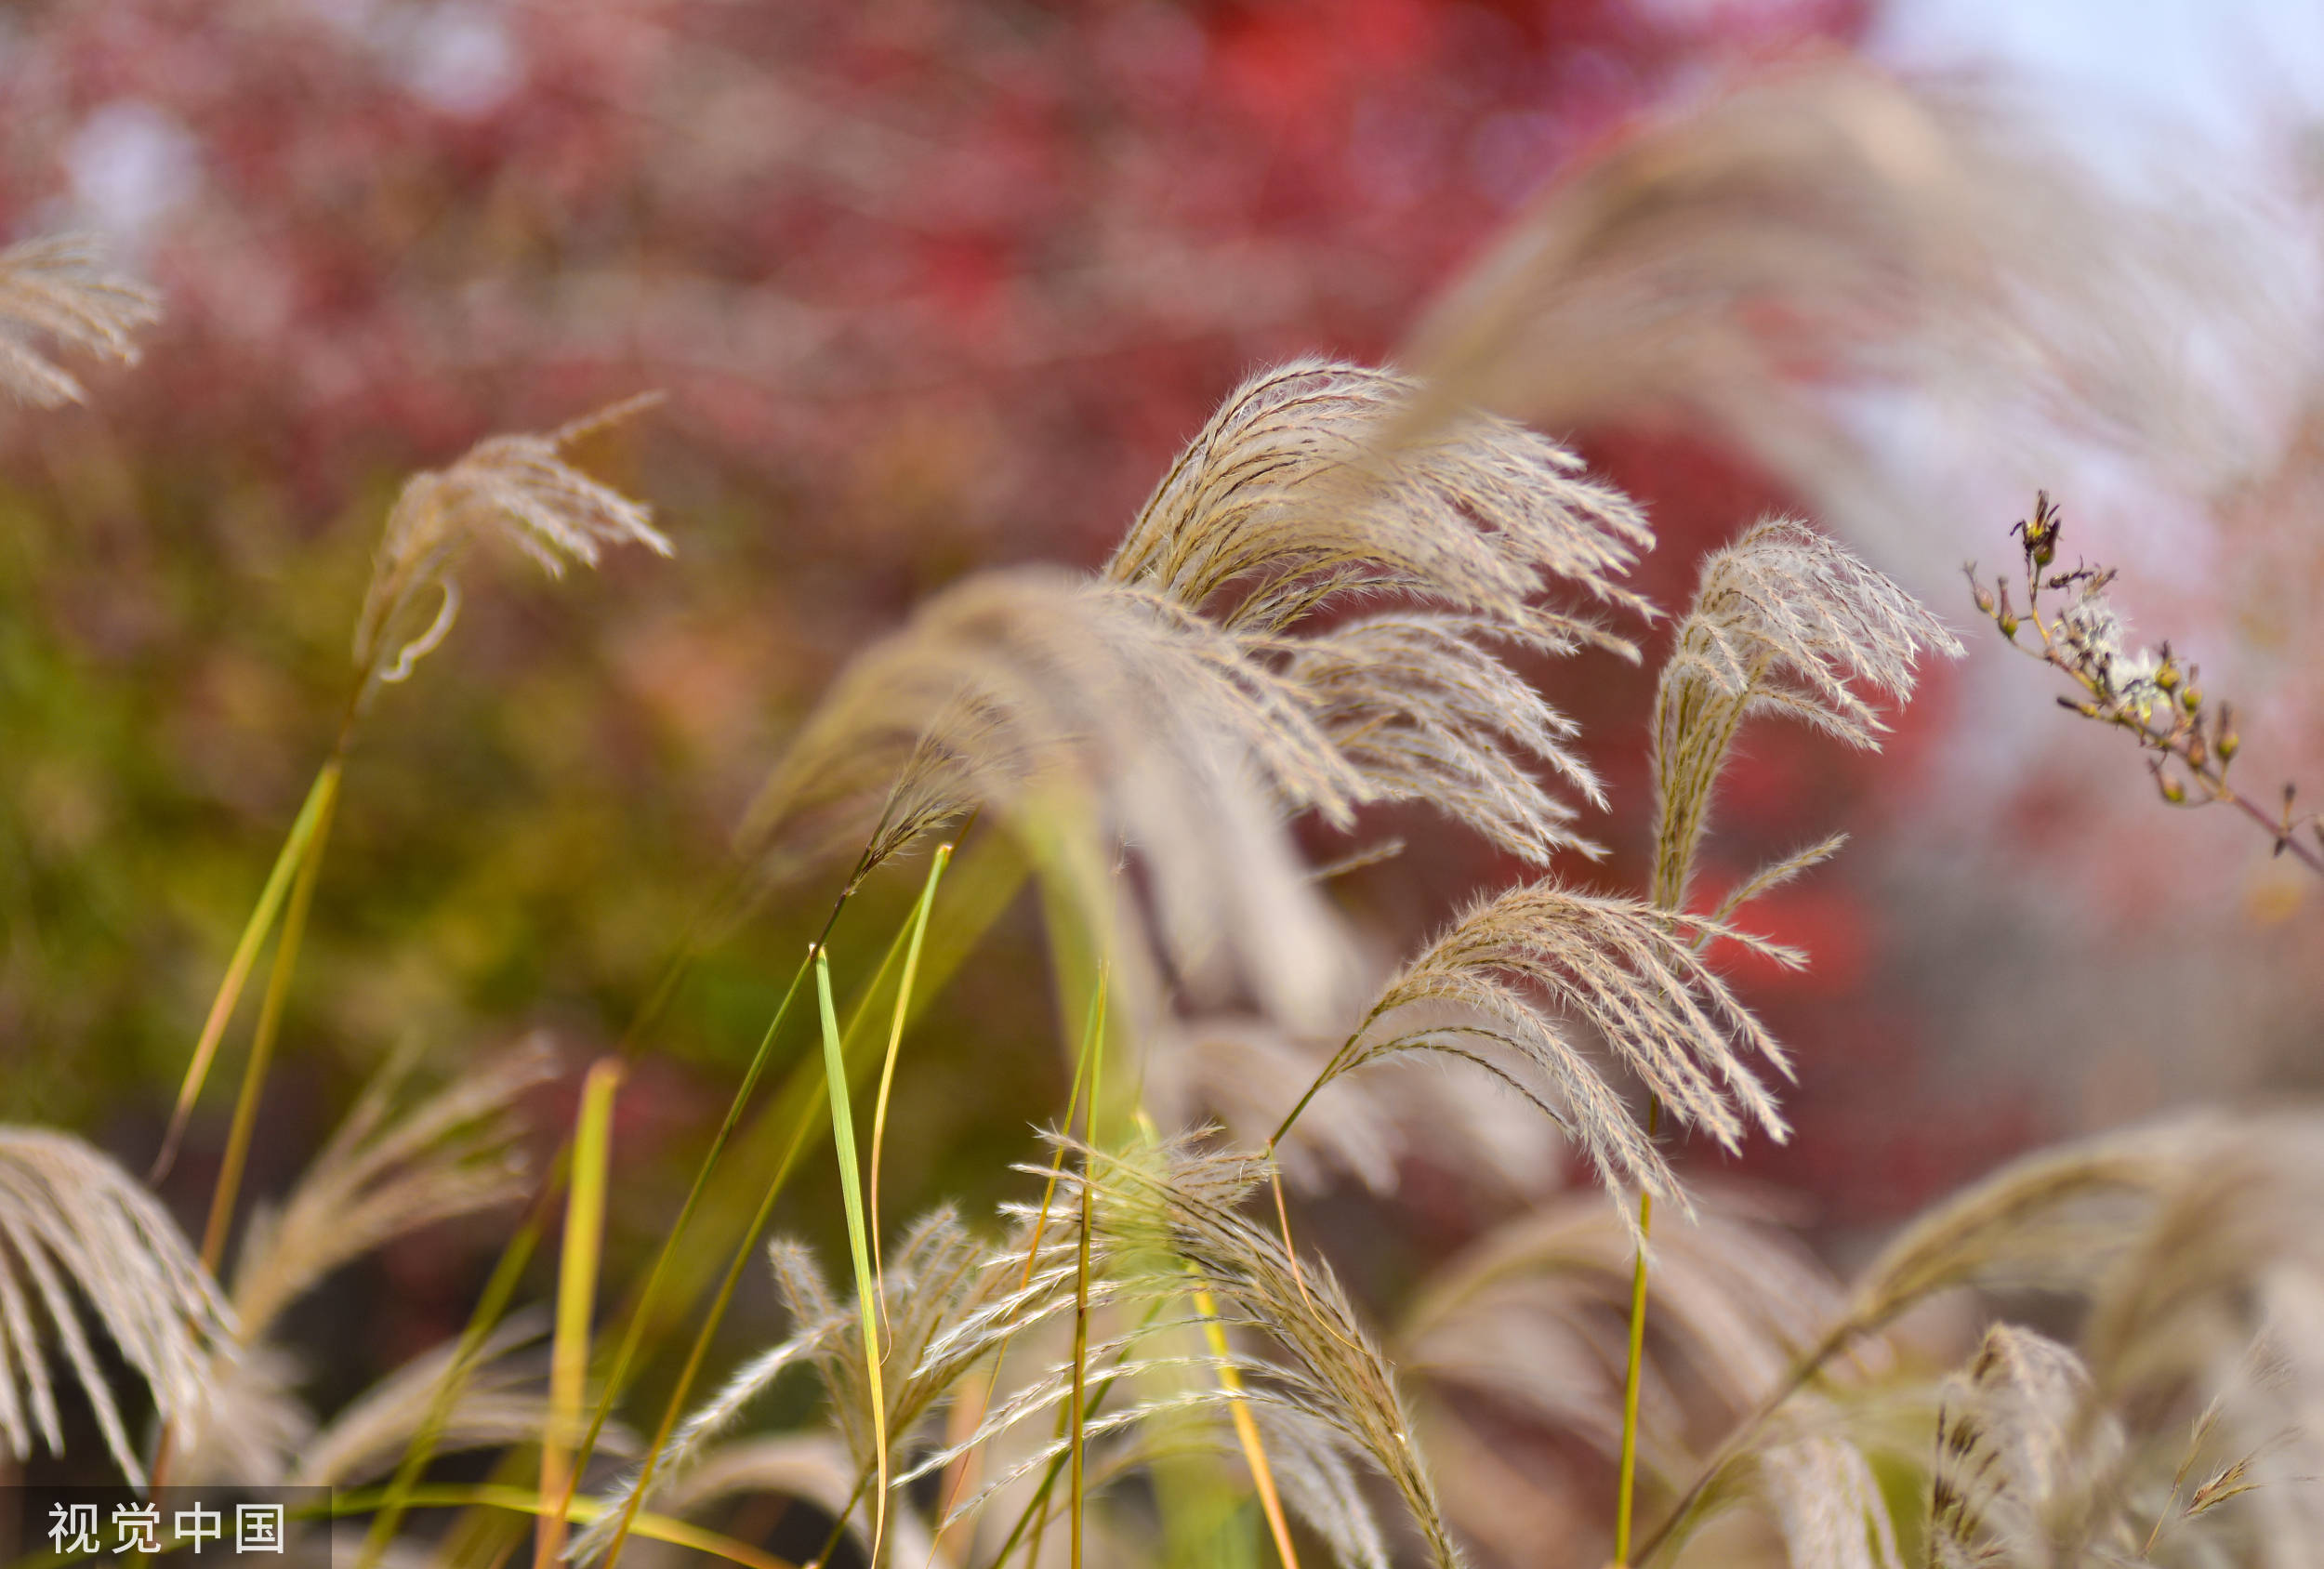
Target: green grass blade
261,921
1093,1052
640,1318
859,1245
984,882
577,1297
895,1040
245,1125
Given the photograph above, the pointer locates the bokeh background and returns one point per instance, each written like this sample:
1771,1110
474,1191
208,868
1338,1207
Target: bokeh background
932,287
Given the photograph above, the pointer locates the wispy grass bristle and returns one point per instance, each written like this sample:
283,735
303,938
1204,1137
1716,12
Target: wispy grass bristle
74,1230
517,488
1297,496
1784,622
1505,985
58,287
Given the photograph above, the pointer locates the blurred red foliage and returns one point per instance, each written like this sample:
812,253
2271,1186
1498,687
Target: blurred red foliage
931,286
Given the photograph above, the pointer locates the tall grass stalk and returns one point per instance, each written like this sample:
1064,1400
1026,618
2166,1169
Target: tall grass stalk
1625,1486
803,1097
859,1244
576,1296
296,845
895,1042
269,1025
1246,1429
1093,1050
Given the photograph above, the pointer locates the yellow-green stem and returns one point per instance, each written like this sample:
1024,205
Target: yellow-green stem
1246,1429
269,1026
895,1041
1626,1486
576,1296
238,969
851,1195
1093,1048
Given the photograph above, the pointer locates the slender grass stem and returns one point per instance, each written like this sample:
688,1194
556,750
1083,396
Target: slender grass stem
1246,1426
1625,1487
254,933
859,1245
1093,1046
808,1099
576,1296
269,1025
895,1041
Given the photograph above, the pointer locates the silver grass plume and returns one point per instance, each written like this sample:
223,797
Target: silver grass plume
943,1292
57,286
2055,1220
1293,498
1820,1488
1239,1071
1320,1361
1903,236
2058,1220
72,1222
1503,987
2005,1444
1299,496
2202,1345
1784,622
518,488
1087,715
1136,1261
384,1174
1424,710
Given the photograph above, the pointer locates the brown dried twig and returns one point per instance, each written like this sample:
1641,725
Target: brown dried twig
2189,741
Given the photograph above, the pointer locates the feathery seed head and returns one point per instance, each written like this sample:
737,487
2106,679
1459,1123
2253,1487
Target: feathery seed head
58,285
518,488
73,1224
1092,717
1303,489
1784,621
1502,987
1324,1363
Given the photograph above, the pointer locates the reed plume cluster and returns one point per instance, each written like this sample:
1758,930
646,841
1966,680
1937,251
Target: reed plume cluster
1334,601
